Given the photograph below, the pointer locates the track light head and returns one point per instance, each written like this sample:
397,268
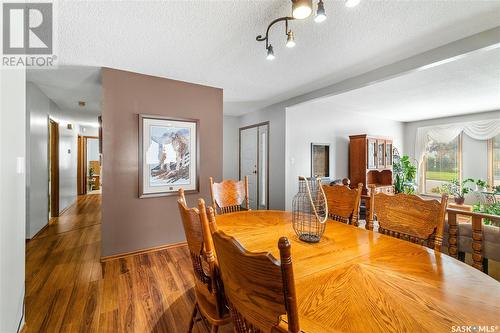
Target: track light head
270,52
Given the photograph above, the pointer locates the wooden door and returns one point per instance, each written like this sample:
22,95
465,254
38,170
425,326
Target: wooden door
380,154
388,153
53,168
371,153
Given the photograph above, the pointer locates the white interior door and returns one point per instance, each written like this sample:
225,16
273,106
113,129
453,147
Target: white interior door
248,162
262,176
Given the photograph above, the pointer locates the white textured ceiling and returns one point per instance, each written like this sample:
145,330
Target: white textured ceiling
467,85
67,85
213,42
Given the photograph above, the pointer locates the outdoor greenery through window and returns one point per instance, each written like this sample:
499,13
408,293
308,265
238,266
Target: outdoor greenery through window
441,164
495,168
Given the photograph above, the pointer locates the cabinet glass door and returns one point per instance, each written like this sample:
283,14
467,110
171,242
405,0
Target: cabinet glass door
380,154
388,153
372,148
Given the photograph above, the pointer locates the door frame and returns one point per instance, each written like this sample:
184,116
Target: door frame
81,175
265,123
53,163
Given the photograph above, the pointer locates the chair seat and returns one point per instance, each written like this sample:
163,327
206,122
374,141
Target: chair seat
491,239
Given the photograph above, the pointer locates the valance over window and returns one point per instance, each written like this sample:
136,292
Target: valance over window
478,130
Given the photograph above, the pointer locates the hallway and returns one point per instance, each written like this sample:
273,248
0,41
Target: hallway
68,291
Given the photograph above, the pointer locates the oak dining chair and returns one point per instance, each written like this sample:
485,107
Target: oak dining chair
343,203
409,217
229,195
259,289
208,290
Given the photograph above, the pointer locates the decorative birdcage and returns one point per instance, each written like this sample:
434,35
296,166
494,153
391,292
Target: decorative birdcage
310,210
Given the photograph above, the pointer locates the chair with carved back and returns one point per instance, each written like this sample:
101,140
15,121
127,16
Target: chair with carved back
259,289
409,217
343,203
208,290
229,195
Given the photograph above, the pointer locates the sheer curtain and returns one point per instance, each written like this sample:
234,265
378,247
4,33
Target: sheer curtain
478,130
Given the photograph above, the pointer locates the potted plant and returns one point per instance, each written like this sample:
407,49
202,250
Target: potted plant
481,185
459,189
404,175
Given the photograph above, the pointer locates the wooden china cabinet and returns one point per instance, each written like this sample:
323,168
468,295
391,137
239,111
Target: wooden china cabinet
370,162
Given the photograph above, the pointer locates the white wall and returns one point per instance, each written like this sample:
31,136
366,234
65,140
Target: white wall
474,152
230,150
68,160
276,116
317,122
37,110
12,197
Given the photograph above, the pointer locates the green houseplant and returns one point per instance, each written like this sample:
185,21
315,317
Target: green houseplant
458,189
488,208
404,175
481,185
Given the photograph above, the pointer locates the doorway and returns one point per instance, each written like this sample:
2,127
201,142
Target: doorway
89,165
53,168
254,163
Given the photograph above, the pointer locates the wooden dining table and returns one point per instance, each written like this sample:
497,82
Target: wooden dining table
355,280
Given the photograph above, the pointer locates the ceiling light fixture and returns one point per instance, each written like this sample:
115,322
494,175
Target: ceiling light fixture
270,53
81,104
290,40
320,13
301,9
352,3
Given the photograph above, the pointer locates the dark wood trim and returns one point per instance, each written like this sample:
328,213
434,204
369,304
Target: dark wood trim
85,162
164,194
80,172
99,120
54,167
142,251
265,123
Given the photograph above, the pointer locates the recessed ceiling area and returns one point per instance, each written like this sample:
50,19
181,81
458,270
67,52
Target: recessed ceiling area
67,86
213,42
467,85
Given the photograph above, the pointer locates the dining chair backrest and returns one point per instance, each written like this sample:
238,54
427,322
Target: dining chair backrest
229,195
410,217
343,203
258,288
200,245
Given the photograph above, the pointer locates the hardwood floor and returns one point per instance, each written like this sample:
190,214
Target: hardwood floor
68,290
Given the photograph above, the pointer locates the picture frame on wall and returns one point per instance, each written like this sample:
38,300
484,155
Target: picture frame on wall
320,160
168,155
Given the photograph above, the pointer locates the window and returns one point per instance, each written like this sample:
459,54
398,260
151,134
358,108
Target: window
442,164
494,161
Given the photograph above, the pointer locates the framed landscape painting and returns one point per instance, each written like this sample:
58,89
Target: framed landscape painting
168,155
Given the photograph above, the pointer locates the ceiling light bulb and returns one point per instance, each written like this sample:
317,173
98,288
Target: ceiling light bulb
270,53
352,3
290,40
301,9
320,14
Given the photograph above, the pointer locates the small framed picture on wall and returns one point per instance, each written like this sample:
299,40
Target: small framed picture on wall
320,160
168,155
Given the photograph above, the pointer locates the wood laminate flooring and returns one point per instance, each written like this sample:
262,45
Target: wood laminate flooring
68,290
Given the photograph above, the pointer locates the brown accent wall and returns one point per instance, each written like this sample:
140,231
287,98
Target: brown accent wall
130,223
